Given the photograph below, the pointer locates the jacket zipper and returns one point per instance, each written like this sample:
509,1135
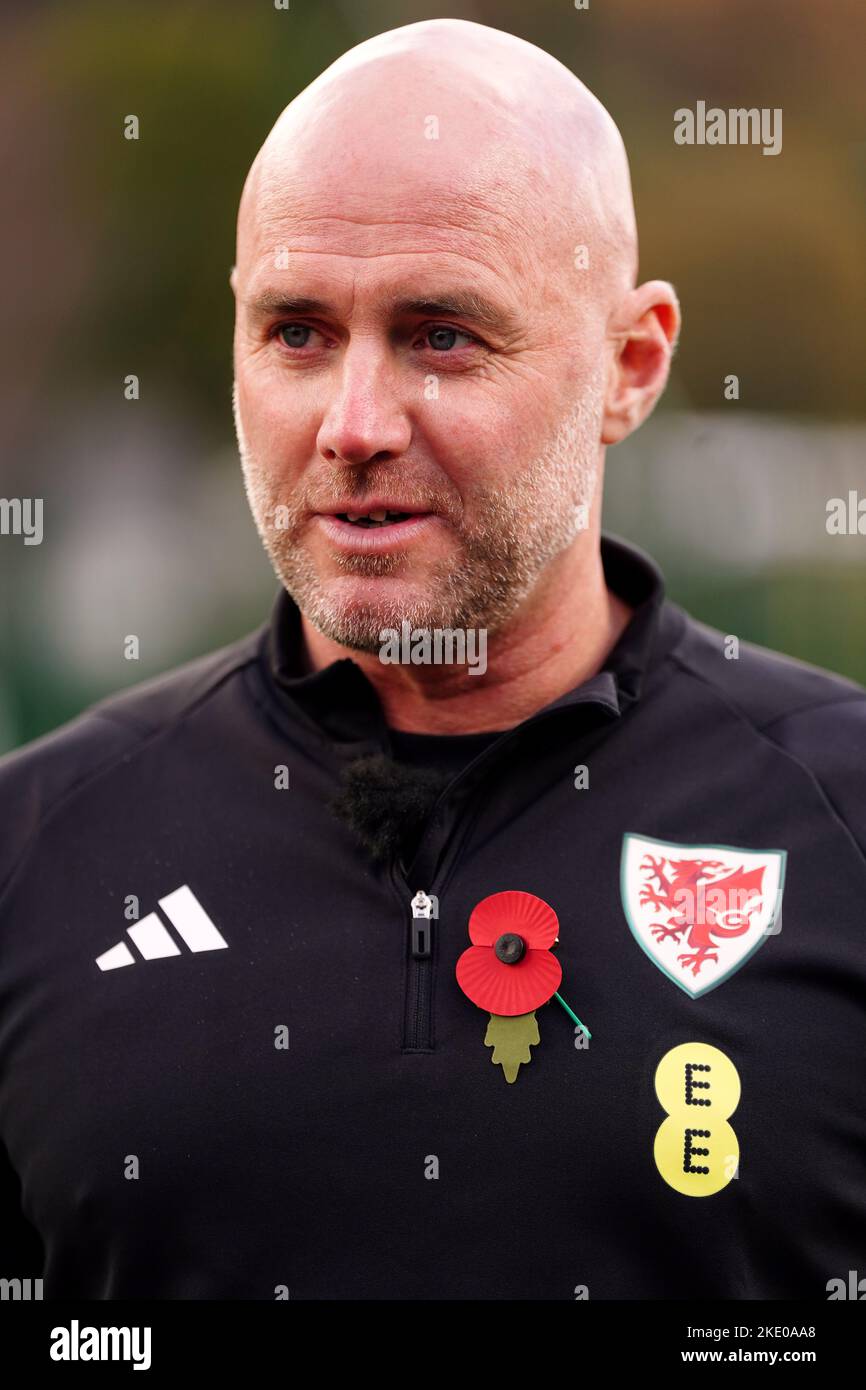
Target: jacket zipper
418,1009
417,1034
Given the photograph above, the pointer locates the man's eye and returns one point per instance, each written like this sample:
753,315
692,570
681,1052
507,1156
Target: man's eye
442,339
295,335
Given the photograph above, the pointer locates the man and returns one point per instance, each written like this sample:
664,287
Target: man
249,1046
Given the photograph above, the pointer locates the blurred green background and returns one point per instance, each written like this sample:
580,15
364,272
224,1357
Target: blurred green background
116,257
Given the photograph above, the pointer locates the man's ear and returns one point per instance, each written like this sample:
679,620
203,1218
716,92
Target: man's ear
233,279
644,331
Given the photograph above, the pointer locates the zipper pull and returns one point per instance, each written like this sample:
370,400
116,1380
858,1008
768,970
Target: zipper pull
422,924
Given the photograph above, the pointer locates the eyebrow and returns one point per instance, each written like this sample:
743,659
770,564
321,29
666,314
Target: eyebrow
465,304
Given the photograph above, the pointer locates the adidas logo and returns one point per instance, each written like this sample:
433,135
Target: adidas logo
152,939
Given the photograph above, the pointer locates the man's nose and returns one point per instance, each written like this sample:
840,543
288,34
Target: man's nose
365,421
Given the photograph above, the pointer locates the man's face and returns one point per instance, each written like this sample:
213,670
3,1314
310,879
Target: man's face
480,434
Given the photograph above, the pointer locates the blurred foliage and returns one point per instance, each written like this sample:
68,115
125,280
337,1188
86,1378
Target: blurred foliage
815,614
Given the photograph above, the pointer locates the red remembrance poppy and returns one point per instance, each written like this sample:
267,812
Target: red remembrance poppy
509,968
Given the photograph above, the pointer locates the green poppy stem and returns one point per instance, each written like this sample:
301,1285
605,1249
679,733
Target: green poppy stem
572,1014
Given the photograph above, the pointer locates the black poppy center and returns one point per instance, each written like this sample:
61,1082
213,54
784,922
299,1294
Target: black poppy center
509,948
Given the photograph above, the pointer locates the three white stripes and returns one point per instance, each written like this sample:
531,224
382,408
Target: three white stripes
152,940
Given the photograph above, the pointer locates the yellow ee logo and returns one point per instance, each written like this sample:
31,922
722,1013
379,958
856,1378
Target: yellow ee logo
696,1151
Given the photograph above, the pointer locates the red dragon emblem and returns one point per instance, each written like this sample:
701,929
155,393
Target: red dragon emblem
699,912
703,899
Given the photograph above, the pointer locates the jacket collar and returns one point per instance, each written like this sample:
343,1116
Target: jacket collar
341,703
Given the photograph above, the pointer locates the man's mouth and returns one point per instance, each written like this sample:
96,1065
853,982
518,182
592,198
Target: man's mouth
376,518
395,527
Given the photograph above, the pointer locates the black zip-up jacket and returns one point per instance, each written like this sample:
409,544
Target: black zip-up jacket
233,1065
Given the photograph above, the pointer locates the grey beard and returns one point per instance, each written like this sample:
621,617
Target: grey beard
514,536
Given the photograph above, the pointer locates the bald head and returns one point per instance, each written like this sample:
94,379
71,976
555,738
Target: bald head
478,126
437,334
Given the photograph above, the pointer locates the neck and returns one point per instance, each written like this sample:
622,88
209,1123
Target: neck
558,639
